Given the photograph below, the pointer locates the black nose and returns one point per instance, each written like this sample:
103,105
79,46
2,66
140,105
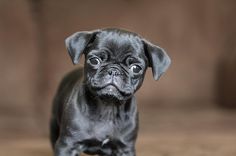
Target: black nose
113,72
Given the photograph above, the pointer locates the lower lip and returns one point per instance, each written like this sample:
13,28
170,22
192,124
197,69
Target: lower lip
111,88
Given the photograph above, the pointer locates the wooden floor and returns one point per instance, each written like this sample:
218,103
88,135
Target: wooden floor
163,132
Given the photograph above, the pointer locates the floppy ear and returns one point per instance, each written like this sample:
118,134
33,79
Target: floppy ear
157,58
77,43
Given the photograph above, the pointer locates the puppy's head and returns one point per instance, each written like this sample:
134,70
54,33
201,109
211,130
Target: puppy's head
115,61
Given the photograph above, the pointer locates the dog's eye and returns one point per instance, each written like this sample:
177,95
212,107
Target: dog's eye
94,61
135,69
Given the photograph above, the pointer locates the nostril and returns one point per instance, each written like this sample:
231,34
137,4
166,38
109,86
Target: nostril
110,72
116,73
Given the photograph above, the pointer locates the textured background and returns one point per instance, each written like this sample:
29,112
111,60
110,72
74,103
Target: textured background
199,36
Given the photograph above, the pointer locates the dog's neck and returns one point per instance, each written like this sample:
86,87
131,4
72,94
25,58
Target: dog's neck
105,110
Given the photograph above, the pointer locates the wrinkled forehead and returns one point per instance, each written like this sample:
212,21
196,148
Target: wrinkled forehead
119,42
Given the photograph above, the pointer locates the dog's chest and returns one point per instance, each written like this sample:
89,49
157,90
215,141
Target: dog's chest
102,130
102,137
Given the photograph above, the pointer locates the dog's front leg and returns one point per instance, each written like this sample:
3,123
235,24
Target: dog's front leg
65,148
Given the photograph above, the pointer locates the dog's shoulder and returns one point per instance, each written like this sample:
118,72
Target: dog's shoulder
71,79
73,76
68,82
66,86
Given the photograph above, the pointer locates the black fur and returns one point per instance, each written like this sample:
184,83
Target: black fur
94,110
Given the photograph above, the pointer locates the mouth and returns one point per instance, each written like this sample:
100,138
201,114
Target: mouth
111,87
111,92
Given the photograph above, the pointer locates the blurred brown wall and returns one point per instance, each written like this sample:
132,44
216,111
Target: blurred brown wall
33,57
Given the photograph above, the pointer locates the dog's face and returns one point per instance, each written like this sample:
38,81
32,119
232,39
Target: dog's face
115,65
115,61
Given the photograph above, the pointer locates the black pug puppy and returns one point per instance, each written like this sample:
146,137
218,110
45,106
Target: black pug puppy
94,110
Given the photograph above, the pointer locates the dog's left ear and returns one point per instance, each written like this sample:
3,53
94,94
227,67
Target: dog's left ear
157,57
78,42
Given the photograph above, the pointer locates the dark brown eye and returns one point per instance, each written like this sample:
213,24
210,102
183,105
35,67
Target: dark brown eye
135,69
94,61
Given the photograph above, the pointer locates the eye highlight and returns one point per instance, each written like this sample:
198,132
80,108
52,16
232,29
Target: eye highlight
136,69
94,61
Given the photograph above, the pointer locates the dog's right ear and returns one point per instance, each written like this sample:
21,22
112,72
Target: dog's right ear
77,43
